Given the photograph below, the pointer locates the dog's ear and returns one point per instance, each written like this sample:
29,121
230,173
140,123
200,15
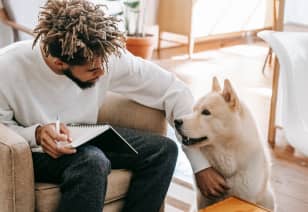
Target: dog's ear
215,85
230,96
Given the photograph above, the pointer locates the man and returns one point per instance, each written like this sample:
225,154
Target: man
77,56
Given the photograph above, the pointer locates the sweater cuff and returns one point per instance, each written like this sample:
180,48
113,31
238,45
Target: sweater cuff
197,159
29,134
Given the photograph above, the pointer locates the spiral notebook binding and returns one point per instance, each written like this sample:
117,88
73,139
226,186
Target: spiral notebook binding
86,125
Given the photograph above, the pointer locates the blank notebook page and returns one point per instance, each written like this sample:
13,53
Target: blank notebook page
81,134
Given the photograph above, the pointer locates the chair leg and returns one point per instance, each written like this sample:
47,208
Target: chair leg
159,43
272,118
190,46
268,60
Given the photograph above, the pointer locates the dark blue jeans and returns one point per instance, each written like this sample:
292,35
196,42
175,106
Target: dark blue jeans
83,176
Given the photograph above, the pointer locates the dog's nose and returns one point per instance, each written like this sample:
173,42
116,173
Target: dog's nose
178,122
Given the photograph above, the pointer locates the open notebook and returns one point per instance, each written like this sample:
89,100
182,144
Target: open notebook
102,135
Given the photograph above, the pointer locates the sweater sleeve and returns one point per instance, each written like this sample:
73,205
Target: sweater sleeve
150,85
7,118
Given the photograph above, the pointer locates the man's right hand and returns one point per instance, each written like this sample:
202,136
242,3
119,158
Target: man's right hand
211,183
47,137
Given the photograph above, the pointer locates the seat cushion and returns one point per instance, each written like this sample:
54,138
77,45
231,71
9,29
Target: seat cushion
47,195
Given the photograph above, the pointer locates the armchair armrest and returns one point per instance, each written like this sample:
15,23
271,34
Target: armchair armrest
124,112
16,173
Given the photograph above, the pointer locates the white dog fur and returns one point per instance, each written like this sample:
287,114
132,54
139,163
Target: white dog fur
231,142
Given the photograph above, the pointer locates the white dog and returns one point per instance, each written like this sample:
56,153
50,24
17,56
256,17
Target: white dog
225,130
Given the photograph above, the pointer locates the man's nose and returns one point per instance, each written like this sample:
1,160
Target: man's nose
100,72
178,123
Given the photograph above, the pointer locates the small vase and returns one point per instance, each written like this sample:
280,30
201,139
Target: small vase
141,46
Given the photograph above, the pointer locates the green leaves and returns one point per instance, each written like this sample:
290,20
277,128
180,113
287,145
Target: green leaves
132,4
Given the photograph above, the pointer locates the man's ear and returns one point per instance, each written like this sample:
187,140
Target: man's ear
60,65
230,96
215,85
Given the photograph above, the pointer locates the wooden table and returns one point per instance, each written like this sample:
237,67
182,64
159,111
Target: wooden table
233,204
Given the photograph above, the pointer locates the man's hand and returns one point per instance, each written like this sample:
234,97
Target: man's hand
211,183
47,137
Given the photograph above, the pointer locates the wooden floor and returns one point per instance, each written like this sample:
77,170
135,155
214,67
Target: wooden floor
241,60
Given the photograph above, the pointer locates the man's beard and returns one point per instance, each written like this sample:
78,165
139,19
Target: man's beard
81,84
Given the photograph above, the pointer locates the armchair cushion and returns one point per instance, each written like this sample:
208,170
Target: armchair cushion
47,195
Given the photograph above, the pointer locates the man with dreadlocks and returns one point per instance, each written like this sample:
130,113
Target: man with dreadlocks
77,56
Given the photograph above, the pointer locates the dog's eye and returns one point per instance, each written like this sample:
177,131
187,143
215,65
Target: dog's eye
206,112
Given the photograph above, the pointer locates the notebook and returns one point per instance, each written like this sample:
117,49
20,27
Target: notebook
102,135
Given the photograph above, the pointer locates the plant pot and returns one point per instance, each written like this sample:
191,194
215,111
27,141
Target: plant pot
141,46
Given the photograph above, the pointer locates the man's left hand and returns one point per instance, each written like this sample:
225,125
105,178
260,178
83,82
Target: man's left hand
211,183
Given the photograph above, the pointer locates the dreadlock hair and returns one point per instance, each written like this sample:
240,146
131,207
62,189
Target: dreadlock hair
76,31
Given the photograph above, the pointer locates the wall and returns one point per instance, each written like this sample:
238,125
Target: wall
296,12
25,12
5,32
225,16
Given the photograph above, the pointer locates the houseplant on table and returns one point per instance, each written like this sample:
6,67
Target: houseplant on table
133,14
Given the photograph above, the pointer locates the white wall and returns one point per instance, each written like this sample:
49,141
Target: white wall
296,11
25,12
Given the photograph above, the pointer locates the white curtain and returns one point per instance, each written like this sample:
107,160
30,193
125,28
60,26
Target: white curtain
291,49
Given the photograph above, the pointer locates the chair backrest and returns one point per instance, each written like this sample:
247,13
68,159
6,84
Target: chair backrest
120,111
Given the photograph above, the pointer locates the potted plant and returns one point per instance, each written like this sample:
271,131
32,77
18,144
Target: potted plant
133,14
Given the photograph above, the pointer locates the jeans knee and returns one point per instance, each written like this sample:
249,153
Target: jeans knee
92,162
169,149
89,170
95,162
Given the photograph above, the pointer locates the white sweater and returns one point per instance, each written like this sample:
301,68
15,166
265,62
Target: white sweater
31,93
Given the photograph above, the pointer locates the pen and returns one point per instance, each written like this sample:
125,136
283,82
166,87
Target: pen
59,143
58,124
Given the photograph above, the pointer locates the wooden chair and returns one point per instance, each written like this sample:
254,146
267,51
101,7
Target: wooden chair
277,26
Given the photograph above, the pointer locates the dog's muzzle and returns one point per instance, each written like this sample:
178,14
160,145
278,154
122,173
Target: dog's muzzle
186,140
190,141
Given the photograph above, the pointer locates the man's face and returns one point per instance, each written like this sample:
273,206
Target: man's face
85,76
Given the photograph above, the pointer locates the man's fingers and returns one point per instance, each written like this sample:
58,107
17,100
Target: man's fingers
204,193
59,149
49,144
50,152
52,146
222,186
211,194
66,150
211,183
220,190
214,193
225,186
213,189
222,182
217,191
56,136
64,130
